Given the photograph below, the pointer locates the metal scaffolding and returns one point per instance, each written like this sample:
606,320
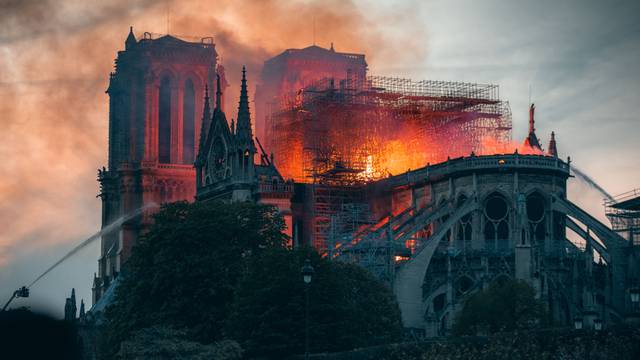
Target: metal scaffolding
623,212
378,126
338,134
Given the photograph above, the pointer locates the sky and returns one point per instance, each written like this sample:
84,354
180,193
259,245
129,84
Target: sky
578,61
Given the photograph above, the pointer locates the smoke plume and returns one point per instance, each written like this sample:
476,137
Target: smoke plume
56,56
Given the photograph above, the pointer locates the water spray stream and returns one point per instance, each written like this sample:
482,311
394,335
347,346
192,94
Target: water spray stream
105,230
584,177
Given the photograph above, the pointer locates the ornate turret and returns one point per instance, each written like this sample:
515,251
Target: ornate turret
552,150
206,119
532,140
70,308
131,40
244,135
227,169
219,119
81,312
218,94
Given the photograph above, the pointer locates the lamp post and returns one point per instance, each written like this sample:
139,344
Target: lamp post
307,274
597,324
635,296
577,323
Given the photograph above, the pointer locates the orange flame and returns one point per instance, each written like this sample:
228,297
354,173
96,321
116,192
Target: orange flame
492,147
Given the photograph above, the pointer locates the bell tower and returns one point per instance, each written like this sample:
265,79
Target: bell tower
156,97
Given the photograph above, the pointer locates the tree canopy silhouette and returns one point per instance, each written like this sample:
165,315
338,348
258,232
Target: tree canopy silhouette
215,271
348,307
183,271
504,306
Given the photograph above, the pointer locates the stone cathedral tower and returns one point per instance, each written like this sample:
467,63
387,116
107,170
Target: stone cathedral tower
155,109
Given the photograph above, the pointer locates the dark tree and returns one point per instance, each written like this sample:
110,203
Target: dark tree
161,343
504,306
28,335
349,308
183,272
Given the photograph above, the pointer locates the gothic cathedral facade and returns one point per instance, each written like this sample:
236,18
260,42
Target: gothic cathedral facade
155,109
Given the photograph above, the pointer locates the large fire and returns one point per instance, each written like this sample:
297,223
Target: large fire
360,128
491,146
370,144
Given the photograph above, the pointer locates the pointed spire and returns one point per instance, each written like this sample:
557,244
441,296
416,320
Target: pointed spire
243,131
70,307
131,40
243,88
206,118
81,313
532,140
532,110
552,150
218,93
206,112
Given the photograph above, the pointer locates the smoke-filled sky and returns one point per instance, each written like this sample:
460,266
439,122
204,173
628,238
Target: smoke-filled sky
581,60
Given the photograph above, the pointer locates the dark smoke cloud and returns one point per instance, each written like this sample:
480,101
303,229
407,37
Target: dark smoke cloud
26,19
55,57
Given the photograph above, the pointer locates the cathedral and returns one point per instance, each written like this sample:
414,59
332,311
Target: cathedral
435,234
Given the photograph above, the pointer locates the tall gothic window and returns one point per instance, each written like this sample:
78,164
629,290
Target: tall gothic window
164,122
463,235
535,215
496,226
188,123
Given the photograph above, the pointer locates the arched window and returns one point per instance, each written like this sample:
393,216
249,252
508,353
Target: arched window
496,226
535,215
439,302
559,233
447,237
463,284
188,123
463,235
164,122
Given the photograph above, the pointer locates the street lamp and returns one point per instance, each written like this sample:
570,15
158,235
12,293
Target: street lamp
597,324
307,274
635,295
577,323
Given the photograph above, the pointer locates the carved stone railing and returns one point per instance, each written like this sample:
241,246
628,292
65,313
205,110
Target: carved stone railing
125,166
479,163
176,166
275,188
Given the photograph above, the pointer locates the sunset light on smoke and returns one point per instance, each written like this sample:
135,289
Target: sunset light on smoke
57,56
